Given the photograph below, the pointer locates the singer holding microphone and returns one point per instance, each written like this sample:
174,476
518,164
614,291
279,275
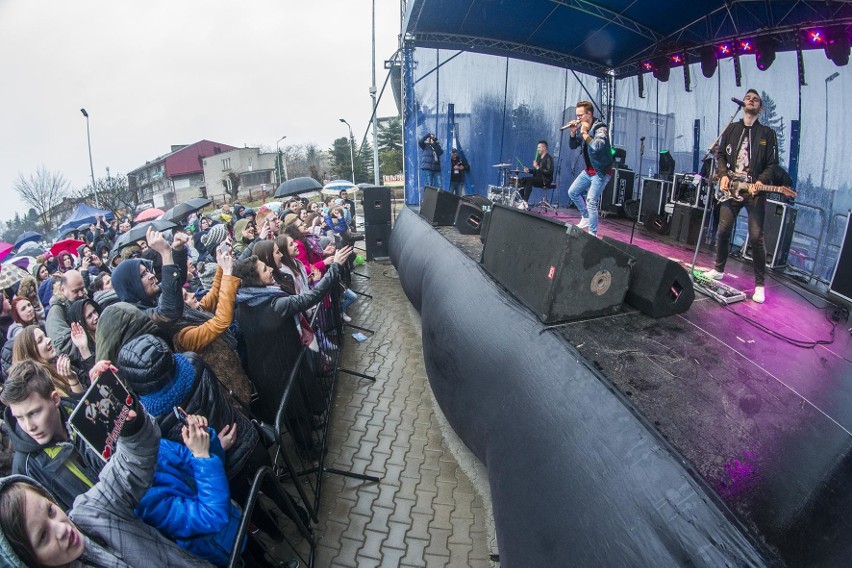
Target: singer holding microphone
593,136
542,171
747,152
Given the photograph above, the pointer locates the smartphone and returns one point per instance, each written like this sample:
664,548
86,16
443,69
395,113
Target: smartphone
180,415
224,248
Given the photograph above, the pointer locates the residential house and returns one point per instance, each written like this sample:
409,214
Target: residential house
254,171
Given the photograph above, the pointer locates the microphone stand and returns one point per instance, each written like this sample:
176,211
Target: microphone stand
638,185
710,177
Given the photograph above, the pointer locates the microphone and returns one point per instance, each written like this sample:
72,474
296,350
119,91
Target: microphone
569,124
737,101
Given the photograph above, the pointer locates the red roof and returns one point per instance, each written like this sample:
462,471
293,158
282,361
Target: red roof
189,160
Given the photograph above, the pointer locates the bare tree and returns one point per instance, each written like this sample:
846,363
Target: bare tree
231,182
42,190
114,193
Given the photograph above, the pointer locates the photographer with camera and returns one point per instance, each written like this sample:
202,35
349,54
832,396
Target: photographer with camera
430,160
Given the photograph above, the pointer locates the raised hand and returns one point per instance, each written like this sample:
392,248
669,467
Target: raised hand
80,341
341,255
156,240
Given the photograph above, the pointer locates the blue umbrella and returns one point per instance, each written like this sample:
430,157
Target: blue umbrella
27,237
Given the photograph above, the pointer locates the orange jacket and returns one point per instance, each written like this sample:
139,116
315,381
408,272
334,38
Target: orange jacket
220,298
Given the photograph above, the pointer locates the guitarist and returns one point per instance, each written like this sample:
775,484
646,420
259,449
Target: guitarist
747,152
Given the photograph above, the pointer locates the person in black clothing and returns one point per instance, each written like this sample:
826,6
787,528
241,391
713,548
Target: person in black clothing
430,160
747,153
542,171
458,167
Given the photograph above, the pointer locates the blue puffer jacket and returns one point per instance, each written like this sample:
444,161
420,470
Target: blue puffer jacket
338,225
600,150
189,501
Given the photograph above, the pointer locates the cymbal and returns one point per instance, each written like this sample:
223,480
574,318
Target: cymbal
516,171
501,165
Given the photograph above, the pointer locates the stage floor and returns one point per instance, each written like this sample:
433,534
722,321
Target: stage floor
766,423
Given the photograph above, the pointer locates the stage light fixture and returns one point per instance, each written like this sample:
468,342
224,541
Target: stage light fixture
837,46
815,37
746,46
676,59
647,66
724,50
662,69
708,61
765,52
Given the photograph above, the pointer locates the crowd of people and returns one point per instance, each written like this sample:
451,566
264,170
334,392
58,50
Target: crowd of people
204,324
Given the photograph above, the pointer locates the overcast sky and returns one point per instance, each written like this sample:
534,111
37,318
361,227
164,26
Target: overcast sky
156,73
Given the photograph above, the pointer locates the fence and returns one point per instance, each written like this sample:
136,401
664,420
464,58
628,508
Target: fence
299,436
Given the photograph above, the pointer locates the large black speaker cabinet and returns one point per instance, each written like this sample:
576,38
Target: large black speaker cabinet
486,222
618,190
559,271
469,218
658,286
841,280
778,227
376,238
651,203
439,207
686,223
377,204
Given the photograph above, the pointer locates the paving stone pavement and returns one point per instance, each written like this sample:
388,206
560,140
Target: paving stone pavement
425,511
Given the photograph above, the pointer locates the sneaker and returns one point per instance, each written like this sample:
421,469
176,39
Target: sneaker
345,318
584,222
759,295
714,274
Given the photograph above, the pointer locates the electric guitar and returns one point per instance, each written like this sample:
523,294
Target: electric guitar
738,190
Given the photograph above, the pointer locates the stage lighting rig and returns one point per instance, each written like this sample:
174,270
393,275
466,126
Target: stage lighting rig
708,61
765,52
662,68
837,45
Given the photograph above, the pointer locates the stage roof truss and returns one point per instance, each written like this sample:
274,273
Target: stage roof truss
540,30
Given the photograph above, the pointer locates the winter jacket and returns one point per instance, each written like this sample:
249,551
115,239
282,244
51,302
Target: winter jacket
338,225
58,327
189,501
430,157
273,338
139,361
763,152
600,151
120,323
67,469
309,256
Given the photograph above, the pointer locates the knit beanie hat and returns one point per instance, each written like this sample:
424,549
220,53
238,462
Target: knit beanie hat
290,218
146,363
215,235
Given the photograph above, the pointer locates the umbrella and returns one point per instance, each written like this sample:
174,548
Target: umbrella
31,247
181,210
148,215
274,206
138,232
21,261
27,237
296,186
5,249
11,275
67,245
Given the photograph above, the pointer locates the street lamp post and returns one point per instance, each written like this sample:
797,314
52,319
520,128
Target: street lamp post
91,165
280,161
375,110
351,151
828,80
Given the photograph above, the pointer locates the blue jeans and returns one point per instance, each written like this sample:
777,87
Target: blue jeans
592,186
457,187
347,299
431,177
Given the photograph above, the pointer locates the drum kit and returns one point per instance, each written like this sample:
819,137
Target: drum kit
507,192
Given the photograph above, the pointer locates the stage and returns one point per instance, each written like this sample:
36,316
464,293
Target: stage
761,426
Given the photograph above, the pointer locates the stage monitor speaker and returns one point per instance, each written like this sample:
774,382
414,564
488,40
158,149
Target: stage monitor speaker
841,280
658,286
376,239
439,207
559,271
477,199
469,218
377,204
653,196
486,222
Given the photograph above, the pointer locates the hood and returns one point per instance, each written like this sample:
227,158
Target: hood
146,363
128,285
120,323
7,556
75,311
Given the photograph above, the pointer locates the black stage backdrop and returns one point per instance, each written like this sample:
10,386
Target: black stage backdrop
576,478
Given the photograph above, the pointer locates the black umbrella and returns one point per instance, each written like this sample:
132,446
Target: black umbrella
296,186
181,210
27,237
138,232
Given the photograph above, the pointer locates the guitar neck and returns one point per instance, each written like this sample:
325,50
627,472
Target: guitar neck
743,187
